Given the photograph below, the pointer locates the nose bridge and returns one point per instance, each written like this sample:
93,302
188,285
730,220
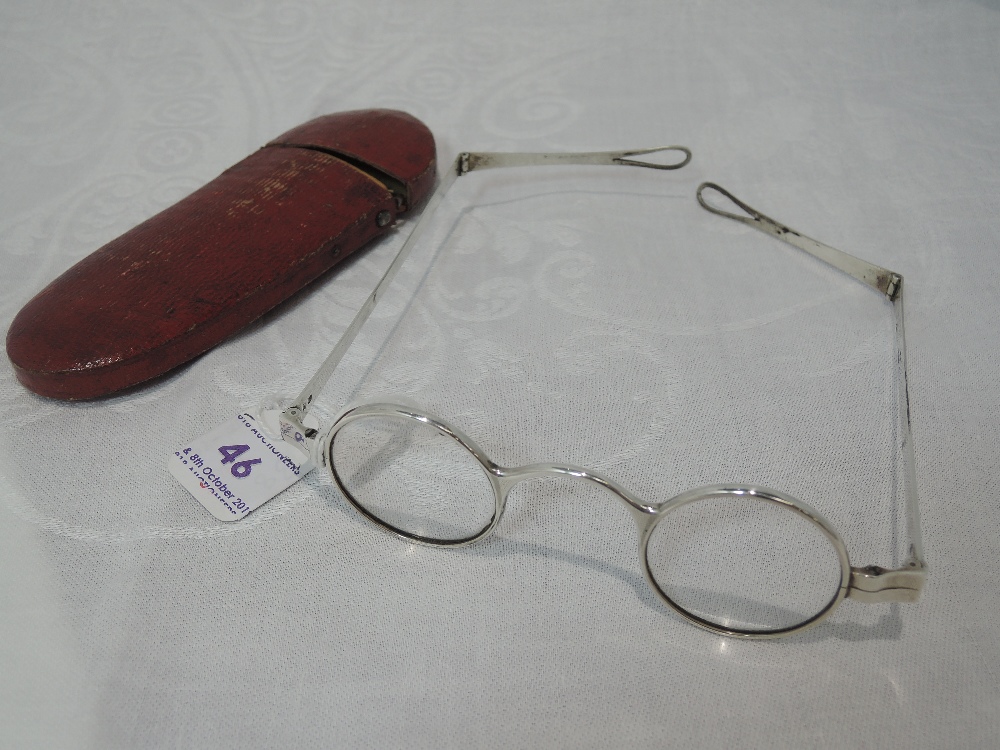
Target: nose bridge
508,477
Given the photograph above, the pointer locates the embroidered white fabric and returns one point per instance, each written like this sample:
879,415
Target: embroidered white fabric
596,316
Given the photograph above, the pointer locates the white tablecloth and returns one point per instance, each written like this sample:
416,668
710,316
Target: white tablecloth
593,316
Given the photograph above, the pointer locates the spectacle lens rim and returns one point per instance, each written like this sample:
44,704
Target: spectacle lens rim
762,494
394,411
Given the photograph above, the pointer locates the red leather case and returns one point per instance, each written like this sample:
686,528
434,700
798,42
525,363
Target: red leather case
199,271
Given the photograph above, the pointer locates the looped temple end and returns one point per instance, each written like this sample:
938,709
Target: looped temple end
620,159
751,213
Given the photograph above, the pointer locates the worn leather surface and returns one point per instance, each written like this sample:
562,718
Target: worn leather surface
202,269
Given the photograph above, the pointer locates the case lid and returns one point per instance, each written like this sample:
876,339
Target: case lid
392,146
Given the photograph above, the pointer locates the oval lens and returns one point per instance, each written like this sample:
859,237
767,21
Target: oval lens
412,477
744,563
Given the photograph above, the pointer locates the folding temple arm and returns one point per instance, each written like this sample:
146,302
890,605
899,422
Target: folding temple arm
871,583
463,164
878,278
470,162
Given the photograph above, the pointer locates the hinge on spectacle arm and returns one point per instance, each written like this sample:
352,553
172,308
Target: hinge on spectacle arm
875,584
893,284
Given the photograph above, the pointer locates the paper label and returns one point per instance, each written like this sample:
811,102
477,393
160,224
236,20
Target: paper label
237,467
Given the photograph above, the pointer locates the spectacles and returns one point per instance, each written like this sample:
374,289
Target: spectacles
786,568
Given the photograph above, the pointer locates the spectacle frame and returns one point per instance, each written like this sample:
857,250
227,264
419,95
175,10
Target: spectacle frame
865,584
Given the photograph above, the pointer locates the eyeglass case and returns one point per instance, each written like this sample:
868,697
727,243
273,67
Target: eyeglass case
201,270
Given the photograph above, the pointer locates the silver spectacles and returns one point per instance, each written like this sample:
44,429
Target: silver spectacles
786,568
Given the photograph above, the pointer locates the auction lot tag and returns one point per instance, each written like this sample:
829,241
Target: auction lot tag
237,467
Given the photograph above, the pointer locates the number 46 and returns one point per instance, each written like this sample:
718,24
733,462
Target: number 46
231,452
